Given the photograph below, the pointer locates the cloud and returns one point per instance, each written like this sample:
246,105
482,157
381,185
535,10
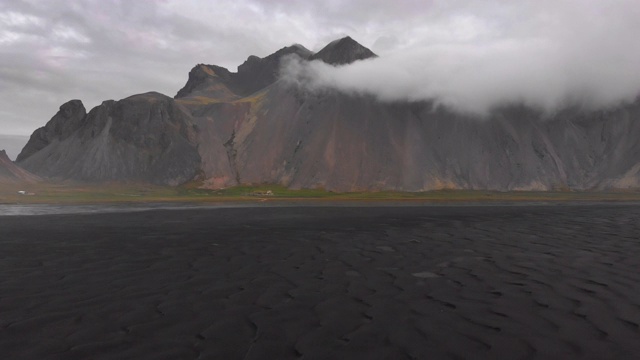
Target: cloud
12,144
575,55
468,53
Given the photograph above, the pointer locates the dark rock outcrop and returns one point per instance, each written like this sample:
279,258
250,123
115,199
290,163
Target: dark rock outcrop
210,80
145,138
253,75
64,123
343,51
256,73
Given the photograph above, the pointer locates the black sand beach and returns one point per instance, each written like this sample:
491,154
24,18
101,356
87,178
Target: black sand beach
441,282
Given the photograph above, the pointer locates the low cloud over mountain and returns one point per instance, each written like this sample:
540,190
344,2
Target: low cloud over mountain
573,56
473,54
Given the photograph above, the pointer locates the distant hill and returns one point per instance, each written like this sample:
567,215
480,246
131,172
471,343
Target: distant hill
13,174
225,128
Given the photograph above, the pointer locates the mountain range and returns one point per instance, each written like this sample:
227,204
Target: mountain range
228,128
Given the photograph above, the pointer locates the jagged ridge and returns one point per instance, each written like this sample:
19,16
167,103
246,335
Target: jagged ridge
253,75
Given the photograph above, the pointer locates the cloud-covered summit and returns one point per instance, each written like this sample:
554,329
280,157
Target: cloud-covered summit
585,58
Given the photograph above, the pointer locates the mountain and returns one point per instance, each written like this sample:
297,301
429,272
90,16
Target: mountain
61,126
215,82
13,174
249,127
343,51
143,138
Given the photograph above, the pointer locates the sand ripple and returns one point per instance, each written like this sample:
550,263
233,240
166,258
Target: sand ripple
528,282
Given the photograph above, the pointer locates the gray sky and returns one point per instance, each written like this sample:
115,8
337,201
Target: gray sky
471,54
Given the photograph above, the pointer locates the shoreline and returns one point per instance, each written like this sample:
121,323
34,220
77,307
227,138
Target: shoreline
40,209
181,203
451,198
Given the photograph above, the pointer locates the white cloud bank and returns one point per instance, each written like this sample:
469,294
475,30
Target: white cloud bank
575,55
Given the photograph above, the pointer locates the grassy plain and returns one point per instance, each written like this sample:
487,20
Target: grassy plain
135,193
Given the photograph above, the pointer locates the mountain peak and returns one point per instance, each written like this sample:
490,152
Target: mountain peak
343,51
66,121
298,49
203,76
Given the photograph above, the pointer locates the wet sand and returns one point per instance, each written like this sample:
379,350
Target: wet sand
459,282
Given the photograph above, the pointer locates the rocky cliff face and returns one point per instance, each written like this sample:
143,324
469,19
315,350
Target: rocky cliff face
344,143
248,127
68,119
215,82
144,138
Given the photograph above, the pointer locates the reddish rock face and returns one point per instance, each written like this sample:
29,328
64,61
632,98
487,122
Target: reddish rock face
225,128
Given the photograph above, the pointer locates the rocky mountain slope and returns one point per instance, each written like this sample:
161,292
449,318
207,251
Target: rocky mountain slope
249,127
10,173
145,138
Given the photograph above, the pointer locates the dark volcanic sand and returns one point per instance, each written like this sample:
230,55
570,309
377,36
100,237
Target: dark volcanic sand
510,282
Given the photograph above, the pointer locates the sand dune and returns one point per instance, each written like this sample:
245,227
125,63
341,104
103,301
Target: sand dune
484,282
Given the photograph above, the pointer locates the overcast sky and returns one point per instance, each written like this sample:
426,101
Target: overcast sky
471,54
